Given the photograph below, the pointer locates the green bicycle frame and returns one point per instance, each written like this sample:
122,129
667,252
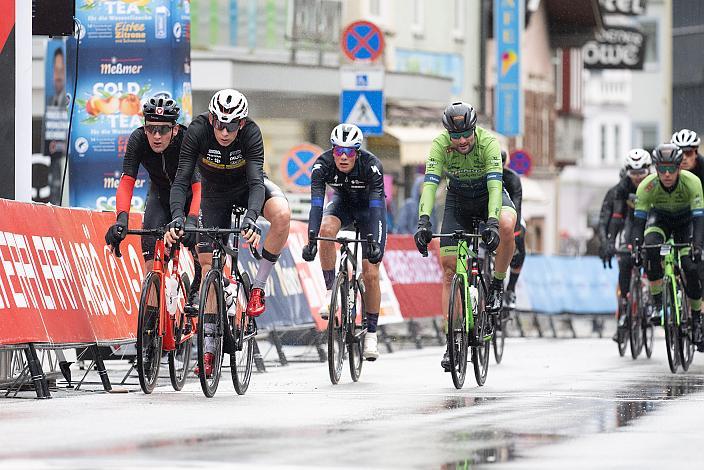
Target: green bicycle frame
464,255
669,262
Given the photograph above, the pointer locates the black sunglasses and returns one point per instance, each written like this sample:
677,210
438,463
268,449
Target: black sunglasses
229,126
161,129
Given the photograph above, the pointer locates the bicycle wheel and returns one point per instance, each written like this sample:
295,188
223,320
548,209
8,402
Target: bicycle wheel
622,339
457,333
499,337
355,346
668,306
180,358
635,317
336,328
685,343
648,332
210,331
148,333
482,336
244,330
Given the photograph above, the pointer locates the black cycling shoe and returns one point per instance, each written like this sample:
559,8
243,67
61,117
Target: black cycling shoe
445,363
191,307
655,317
496,293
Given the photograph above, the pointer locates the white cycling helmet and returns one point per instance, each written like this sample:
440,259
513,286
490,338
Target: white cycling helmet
346,135
637,159
685,138
228,105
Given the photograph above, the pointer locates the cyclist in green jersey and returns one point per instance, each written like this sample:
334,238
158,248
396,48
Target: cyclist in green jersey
672,204
469,158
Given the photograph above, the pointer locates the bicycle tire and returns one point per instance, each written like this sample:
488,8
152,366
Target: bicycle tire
498,339
457,333
211,307
621,337
648,331
242,360
668,307
635,317
149,338
336,329
180,358
685,342
355,348
482,327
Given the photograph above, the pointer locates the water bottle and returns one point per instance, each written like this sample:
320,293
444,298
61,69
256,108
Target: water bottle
231,298
474,294
171,292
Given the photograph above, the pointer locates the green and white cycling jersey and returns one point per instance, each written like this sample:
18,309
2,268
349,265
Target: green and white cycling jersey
683,201
473,176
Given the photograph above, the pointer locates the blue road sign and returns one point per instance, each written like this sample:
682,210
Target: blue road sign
364,108
508,26
362,40
297,165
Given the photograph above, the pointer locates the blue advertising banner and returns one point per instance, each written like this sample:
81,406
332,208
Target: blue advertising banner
128,50
508,30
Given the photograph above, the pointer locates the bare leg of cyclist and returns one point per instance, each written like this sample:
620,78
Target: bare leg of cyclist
372,299
329,227
504,253
449,264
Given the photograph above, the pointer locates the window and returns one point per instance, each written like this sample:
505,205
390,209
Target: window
557,70
603,142
646,136
650,31
617,141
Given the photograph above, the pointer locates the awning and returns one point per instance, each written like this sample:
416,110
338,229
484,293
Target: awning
413,142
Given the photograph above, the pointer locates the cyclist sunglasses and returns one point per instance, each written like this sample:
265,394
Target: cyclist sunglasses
340,151
229,126
640,172
458,135
160,129
667,168
689,151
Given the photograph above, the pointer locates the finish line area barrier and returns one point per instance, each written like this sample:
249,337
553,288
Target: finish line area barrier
61,288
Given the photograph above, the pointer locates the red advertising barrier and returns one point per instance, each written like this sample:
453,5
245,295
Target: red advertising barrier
58,281
417,281
310,274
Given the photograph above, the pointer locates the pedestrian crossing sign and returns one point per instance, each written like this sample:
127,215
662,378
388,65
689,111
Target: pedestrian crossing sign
365,109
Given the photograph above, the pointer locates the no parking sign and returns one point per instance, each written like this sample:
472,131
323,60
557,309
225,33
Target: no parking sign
296,166
521,162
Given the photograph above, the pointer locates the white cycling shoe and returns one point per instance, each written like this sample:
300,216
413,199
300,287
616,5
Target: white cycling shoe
324,311
371,351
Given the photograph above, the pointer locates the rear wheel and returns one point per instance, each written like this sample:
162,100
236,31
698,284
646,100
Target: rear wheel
621,333
457,333
210,331
668,306
355,346
179,359
635,313
244,331
499,337
685,343
336,331
482,335
648,332
148,334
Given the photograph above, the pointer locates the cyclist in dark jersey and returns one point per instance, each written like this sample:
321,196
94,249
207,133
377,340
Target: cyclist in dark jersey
227,149
514,188
637,166
672,204
357,179
692,161
156,147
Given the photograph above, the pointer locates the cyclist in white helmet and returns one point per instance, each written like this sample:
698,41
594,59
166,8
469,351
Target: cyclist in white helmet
357,179
689,142
227,147
637,165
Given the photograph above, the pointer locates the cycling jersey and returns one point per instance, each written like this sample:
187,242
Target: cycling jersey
514,188
623,205
473,176
607,208
361,190
239,164
698,169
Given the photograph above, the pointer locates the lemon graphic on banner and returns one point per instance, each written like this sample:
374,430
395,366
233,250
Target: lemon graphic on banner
508,58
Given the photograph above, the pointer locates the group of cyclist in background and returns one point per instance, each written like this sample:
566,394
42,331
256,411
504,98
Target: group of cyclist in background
198,173
643,211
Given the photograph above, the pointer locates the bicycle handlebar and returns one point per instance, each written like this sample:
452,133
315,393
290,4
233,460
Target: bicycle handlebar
341,240
212,232
458,235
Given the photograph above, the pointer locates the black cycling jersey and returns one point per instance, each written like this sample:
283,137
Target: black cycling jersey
514,188
607,208
699,168
160,166
239,164
361,188
623,204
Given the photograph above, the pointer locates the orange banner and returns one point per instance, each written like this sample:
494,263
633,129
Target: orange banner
59,283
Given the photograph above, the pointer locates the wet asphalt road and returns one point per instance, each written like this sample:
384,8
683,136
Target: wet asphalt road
550,404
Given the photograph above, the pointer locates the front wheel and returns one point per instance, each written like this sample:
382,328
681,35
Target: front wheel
355,344
210,331
499,337
149,333
336,328
482,336
244,331
457,332
635,317
668,306
179,359
685,343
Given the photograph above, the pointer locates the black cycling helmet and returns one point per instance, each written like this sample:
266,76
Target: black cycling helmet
504,156
668,154
161,109
459,117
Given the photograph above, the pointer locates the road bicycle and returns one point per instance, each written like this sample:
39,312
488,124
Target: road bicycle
640,331
347,314
223,325
499,322
162,324
676,314
468,322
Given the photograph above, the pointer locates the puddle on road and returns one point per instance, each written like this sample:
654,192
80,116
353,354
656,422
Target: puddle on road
487,447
